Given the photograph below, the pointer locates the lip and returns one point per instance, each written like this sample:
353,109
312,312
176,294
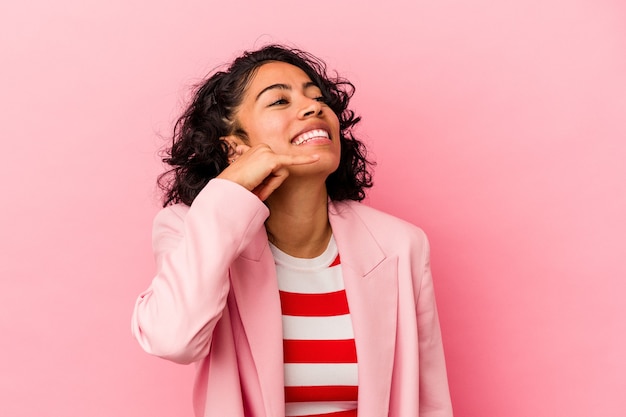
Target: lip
316,126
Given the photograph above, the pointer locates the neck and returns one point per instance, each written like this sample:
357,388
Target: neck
298,222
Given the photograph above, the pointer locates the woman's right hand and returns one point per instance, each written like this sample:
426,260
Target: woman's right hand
260,170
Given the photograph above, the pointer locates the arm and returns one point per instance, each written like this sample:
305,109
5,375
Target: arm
175,317
434,393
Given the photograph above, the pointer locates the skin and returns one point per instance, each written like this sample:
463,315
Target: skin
279,104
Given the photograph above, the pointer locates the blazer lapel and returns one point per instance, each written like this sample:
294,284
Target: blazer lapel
372,291
255,289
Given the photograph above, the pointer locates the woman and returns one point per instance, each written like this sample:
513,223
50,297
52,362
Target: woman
290,296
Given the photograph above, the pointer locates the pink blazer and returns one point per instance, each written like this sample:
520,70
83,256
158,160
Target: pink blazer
214,301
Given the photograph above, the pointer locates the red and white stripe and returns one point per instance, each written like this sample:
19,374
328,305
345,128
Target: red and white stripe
321,374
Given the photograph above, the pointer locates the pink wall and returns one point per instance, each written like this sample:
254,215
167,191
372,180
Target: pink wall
499,127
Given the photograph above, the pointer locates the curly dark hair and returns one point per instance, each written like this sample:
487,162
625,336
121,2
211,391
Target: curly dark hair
197,154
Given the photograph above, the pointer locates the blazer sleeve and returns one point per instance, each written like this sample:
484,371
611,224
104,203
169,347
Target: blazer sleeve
193,248
434,393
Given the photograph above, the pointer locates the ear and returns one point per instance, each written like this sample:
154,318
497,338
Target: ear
232,141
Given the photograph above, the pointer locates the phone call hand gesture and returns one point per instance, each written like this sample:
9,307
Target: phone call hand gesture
259,169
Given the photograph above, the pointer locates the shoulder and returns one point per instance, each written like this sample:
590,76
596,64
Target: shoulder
384,227
222,208
167,227
172,213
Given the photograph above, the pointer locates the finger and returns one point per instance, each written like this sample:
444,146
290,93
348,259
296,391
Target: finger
241,149
271,183
297,159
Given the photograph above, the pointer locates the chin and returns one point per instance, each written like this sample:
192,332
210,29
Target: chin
323,168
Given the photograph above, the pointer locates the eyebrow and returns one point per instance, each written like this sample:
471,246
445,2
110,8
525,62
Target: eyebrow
279,86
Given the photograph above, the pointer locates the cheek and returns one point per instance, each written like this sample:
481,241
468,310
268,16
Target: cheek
335,121
268,130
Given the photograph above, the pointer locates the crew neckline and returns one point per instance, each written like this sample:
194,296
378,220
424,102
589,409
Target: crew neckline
321,261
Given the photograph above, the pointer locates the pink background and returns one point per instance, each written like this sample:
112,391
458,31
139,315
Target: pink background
499,127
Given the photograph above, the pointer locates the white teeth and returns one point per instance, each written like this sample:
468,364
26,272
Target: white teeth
305,137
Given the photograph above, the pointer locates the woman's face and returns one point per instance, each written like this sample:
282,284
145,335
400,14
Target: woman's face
285,110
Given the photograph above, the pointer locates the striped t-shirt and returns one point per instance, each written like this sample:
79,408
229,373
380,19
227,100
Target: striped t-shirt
321,375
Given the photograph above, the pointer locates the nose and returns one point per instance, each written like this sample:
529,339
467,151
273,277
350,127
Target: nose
310,107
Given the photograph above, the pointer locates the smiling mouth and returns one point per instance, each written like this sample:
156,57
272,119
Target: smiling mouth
311,134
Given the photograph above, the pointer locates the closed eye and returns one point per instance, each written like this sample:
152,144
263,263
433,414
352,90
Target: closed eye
278,102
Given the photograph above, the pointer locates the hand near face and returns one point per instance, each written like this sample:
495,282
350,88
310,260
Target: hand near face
260,170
